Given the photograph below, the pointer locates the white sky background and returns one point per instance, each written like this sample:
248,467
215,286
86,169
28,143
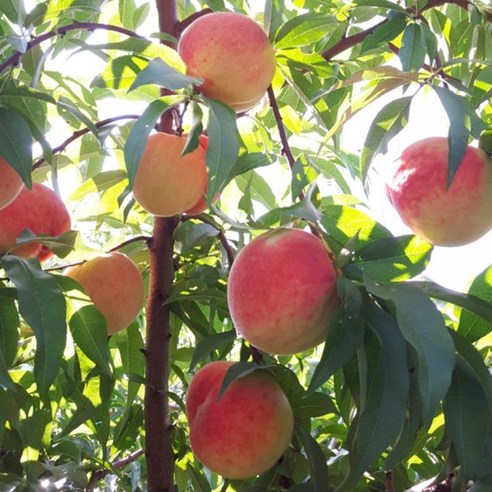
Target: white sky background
451,267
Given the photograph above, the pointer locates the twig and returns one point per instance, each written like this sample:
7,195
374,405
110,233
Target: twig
389,482
192,18
61,31
80,133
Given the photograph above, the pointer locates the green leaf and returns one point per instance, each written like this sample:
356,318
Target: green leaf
160,73
412,51
240,370
388,122
16,143
304,29
380,3
385,33
137,139
209,344
316,459
459,128
9,330
383,414
472,325
198,480
5,379
468,418
313,405
396,258
273,16
42,305
126,9
223,146
14,10
88,328
345,335
422,325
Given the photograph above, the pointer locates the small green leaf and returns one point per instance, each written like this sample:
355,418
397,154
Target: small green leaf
88,328
223,146
459,128
412,51
160,73
386,32
16,143
9,330
137,139
304,29
387,123
209,344
42,305
240,370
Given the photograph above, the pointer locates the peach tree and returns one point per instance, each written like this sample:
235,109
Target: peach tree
395,390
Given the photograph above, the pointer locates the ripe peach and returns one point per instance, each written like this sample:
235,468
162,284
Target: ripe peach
115,286
166,182
233,55
10,183
282,291
445,217
247,430
41,211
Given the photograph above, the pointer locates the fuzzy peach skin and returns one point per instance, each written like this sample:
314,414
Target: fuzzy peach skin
41,211
10,183
281,291
245,432
166,182
115,286
444,217
233,55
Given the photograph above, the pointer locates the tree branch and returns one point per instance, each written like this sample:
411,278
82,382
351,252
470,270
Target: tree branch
61,31
192,18
349,42
80,133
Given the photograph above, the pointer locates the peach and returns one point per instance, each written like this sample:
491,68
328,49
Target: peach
115,285
41,211
166,182
442,216
232,54
10,183
245,432
282,291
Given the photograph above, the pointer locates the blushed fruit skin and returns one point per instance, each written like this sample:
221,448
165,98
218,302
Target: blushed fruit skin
10,183
444,217
245,432
115,286
233,55
167,183
282,291
41,211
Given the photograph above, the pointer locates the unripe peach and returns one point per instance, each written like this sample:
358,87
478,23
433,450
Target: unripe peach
442,216
247,430
282,291
115,286
10,183
233,55
41,211
166,182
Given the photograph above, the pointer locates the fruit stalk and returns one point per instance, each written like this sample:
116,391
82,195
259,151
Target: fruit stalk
158,448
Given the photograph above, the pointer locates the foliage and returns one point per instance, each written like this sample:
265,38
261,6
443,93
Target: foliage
402,383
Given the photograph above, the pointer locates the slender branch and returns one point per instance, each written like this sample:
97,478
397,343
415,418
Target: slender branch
389,479
61,31
349,42
80,133
192,18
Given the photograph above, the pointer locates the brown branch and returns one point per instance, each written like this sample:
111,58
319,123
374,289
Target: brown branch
61,31
192,18
389,482
349,42
80,133
158,430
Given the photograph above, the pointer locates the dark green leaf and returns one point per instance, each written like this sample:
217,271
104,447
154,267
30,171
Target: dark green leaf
137,139
223,147
345,335
468,419
9,330
313,405
16,143
316,459
88,328
423,327
198,480
385,33
14,10
459,128
240,370
303,29
412,51
160,73
42,305
209,344
388,122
